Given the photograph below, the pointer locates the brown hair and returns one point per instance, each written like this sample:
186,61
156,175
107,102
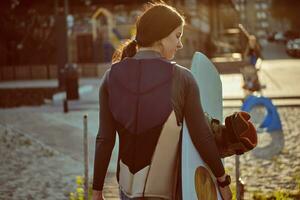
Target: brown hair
155,23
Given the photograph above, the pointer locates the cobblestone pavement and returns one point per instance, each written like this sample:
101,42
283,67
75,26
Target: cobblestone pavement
33,170
277,172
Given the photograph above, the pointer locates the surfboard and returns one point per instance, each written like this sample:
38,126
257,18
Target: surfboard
198,183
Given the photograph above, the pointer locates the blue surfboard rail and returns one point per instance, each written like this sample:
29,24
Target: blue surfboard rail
272,120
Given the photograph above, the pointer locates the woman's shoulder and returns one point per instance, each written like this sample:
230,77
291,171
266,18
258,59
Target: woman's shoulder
182,72
181,68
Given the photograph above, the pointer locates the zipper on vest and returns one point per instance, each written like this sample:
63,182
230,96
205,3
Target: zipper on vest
137,111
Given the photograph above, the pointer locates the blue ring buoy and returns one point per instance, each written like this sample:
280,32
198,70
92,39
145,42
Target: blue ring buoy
272,121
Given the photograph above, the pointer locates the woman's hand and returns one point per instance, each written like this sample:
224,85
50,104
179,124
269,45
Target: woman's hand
225,193
97,195
225,190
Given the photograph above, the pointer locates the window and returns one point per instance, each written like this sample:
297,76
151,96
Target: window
263,15
258,15
264,24
264,6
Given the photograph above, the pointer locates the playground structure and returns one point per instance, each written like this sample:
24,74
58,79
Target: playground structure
113,35
97,40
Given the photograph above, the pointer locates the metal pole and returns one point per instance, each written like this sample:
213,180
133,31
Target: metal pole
56,7
66,9
86,164
237,177
66,6
246,14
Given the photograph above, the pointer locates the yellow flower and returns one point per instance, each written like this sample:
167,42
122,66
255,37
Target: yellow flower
79,180
72,196
80,193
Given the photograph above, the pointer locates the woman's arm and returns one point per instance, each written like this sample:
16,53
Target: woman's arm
199,130
105,139
201,136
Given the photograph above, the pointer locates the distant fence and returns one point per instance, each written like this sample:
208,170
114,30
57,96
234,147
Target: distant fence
29,72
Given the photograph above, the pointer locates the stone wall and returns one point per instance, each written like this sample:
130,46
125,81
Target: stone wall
43,72
15,97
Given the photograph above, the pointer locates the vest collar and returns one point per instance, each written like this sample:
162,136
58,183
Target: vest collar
147,54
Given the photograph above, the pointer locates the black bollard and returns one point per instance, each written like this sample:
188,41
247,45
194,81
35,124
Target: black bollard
86,160
66,109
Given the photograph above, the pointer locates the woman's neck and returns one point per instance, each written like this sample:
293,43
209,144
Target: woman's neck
149,49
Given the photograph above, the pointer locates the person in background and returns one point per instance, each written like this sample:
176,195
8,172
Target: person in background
144,97
249,72
253,50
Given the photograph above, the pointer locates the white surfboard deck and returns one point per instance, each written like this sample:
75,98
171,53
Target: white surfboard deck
210,86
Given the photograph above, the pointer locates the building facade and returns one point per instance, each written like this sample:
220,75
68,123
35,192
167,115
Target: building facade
256,16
